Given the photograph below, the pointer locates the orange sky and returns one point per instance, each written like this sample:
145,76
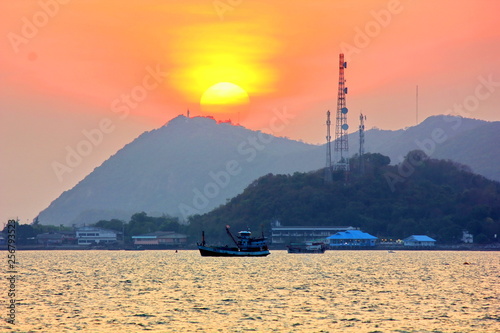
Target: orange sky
66,65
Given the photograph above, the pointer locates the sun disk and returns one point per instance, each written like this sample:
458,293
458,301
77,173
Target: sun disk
224,93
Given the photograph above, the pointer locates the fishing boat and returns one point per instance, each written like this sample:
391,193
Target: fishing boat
246,246
307,247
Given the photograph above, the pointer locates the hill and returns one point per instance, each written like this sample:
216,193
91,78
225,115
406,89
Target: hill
419,196
468,141
193,165
188,166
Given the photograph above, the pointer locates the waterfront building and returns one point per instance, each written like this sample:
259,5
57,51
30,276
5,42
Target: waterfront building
160,239
467,237
419,241
286,235
351,238
94,235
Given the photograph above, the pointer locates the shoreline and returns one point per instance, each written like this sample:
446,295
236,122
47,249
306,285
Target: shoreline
486,248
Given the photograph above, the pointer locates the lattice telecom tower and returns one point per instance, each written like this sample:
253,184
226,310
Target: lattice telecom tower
361,143
341,127
328,168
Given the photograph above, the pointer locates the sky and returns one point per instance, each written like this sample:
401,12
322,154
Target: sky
91,76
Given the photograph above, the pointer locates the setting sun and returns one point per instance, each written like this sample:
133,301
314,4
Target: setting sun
225,99
224,93
229,55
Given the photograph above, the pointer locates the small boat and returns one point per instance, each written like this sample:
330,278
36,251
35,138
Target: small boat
246,246
307,247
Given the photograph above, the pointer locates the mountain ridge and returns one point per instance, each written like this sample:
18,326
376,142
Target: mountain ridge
192,165
164,171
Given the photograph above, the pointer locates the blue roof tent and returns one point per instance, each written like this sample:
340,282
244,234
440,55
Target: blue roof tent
419,240
351,238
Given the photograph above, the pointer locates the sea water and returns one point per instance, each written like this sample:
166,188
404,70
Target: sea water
338,291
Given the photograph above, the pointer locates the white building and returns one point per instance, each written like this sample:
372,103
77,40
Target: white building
93,235
419,240
467,237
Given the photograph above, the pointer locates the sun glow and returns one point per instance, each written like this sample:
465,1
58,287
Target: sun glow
224,64
226,100
224,93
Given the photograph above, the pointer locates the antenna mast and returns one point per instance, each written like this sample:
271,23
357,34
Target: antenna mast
361,143
416,104
328,168
341,127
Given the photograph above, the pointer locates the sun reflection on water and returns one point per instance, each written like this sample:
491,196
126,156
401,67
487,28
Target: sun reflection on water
348,291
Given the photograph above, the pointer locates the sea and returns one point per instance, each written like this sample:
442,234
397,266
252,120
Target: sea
338,291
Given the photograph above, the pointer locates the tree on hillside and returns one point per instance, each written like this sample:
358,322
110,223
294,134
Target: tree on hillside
25,233
113,224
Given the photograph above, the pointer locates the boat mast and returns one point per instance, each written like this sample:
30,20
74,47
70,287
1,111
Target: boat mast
203,238
231,235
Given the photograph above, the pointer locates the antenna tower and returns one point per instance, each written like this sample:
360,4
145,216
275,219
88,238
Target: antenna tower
416,104
341,127
328,168
361,143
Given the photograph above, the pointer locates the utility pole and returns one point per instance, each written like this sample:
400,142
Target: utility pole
416,104
361,143
328,168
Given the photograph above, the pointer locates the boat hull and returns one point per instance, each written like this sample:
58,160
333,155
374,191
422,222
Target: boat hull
206,251
306,248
